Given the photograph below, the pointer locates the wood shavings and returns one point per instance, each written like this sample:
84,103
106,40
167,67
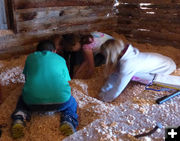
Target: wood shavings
133,112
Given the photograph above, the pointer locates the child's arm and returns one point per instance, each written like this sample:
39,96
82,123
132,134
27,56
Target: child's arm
88,62
88,53
0,95
81,68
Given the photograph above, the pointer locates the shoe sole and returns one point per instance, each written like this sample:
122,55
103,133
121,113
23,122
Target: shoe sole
17,131
66,129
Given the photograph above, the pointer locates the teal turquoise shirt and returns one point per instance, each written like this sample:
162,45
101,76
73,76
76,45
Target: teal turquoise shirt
47,79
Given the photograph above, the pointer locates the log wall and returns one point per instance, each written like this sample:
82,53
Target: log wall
147,21
150,21
34,20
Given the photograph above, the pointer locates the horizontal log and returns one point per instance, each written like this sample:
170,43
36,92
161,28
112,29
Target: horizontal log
16,51
25,4
138,11
26,43
159,13
156,35
156,38
55,22
154,42
125,31
134,12
147,1
165,6
160,18
152,26
22,39
148,6
170,19
40,13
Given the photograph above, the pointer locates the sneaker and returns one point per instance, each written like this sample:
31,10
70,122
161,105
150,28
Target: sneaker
17,129
67,128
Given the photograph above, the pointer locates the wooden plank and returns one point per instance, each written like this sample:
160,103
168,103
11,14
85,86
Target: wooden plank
154,41
39,13
25,4
146,1
55,22
152,26
161,18
129,12
170,19
128,5
171,12
165,6
136,11
16,51
31,37
156,35
159,13
19,44
162,6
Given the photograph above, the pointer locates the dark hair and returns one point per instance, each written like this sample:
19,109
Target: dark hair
85,39
69,40
45,45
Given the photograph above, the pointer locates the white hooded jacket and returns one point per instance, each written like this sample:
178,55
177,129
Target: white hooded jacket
135,63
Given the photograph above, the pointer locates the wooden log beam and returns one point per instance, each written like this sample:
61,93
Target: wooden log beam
25,4
16,51
165,6
54,23
138,11
147,1
39,13
170,19
156,35
154,42
153,26
150,5
22,39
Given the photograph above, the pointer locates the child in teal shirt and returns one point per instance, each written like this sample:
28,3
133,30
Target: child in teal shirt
46,89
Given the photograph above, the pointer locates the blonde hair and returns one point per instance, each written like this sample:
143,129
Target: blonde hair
112,49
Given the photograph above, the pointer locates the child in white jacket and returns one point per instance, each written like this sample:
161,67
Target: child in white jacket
126,61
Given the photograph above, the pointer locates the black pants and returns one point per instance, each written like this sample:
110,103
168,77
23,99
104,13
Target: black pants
76,58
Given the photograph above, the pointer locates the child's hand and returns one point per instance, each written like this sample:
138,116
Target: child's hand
0,95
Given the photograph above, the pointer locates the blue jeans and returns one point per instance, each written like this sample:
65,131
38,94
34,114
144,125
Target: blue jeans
68,110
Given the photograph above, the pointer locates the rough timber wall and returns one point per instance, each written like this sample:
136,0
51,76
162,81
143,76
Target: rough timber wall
43,15
150,21
34,20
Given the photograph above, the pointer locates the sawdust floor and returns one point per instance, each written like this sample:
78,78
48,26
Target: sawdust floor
132,113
